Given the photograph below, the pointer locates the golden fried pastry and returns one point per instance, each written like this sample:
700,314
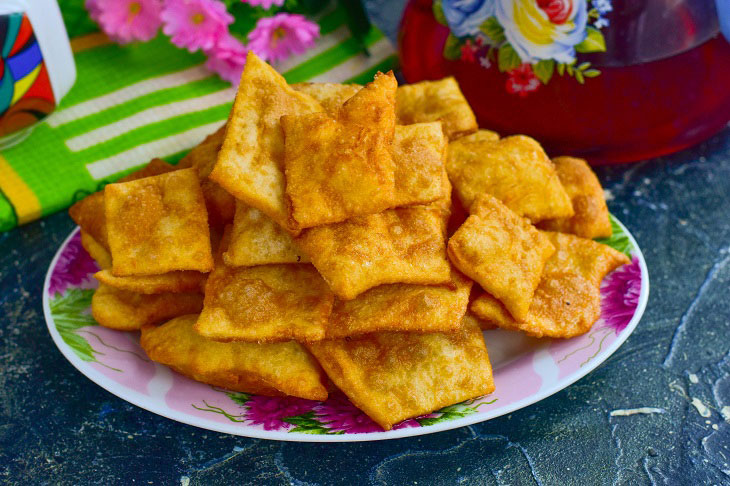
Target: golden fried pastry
515,170
219,203
265,303
221,206
257,240
591,259
502,252
405,245
250,164
177,281
89,213
337,168
402,307
204,155
158,224
419,156
443,204
586,194
395,376
273,369
480,135
567,300
330,95
473,320
430,101
128,311
100,254
564,305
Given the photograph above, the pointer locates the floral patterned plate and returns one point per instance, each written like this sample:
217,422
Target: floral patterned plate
526,370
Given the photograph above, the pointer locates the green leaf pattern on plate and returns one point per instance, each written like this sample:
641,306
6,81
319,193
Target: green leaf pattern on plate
619,240
70,312
308,424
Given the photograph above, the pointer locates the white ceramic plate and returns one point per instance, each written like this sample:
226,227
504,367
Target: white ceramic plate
526,370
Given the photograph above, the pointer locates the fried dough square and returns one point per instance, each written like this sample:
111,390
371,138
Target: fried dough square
567,300
502,252
586,194
265,303
472,319
330,95
204,155
89,213
443,204
590,259
337,168
405,245
219,203
273,369
257,240
565,305
395,376
515,170
402,307
177,282
430,101
419,156
100,254
128,311
480,135
221,206
158,224
250,164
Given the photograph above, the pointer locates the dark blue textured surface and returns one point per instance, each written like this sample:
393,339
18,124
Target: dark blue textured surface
57,427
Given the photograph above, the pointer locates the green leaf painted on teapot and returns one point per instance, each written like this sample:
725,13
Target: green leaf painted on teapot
594,41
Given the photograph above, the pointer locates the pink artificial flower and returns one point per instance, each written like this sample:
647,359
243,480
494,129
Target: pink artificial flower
195,24
522,81
620,295
125,21
94,11
277,37
264,3
271,411
227,59
73,267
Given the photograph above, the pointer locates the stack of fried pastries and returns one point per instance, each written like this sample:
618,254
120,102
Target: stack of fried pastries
304,245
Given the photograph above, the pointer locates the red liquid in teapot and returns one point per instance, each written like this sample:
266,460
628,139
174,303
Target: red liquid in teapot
627,113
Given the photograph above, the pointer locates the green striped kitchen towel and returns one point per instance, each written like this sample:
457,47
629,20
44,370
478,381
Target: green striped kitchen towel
133,103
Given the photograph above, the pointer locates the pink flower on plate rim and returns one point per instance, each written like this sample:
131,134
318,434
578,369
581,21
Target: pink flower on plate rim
227,59
339,414
620,295
271,411
74,267
195,24
264,3
125,21
278,37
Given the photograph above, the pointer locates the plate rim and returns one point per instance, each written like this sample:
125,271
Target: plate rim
150,404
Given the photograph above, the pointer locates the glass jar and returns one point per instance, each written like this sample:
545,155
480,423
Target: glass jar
607,80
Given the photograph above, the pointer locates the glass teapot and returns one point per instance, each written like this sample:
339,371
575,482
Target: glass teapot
609,80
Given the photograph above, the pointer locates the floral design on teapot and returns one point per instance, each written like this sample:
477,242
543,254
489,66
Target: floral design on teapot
529,40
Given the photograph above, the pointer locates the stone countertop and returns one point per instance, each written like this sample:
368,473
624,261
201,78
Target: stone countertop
57,427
